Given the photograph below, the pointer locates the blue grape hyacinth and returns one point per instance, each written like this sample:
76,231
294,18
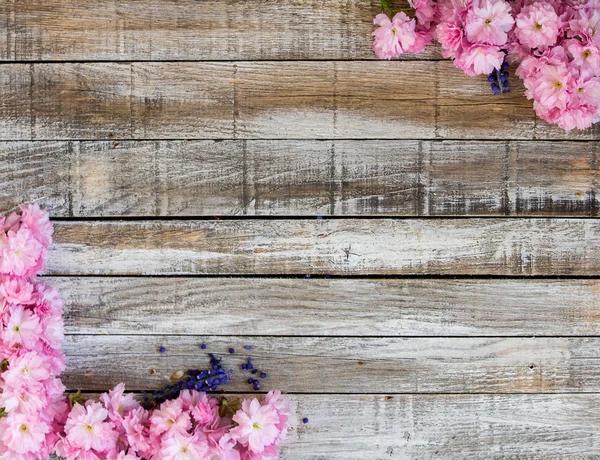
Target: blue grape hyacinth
499,80
202,380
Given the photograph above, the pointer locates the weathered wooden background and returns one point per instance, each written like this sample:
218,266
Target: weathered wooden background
185,149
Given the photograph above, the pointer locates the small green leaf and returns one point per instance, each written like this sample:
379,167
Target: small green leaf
228,407
4,365
386,7
76,398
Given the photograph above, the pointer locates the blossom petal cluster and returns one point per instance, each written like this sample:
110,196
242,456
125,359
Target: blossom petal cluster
474,33
189,427
558,50
32,399
403,34
555,43
37,420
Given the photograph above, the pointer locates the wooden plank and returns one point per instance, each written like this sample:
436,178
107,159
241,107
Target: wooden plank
114,30
281,177
357,246
262,100
344,364
330,307
443,426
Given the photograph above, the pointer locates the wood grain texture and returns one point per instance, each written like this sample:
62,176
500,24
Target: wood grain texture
282,177
359,246
116,30
261,100
334,307
367,427
344,364
445,426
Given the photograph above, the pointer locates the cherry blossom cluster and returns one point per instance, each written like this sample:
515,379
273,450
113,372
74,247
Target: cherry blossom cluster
31,335
556,44
192,426
37,420
558,47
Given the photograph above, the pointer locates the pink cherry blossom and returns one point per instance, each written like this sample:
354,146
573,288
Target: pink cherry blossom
26,368
24,399
422,39
587,90
425,11
257,425
488,21
38,223
24,433
10,223
586,23
552,86
450,36
118,403
393,37
23,328
21,253
284,412
170,417
479,59
586,57
203,412
16,290
137,433
181,446
538,25
53,331
87,427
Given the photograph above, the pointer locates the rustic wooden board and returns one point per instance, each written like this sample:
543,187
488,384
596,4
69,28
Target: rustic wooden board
344,364
272,100
333,307
282,177
442,426
244,133
114,30
446,426
312,246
